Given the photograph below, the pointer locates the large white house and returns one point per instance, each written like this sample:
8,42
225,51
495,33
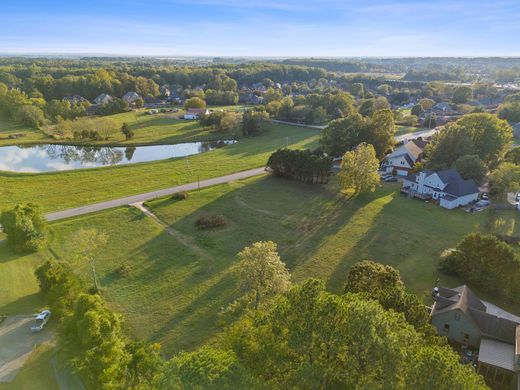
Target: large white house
402,160
448,187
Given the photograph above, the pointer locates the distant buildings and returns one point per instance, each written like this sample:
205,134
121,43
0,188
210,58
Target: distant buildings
103,98
195,113
131,97
75,99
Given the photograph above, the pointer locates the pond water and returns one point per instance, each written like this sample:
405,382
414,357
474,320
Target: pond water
52,157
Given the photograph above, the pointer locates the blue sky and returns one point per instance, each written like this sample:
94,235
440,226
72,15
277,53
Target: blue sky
340,28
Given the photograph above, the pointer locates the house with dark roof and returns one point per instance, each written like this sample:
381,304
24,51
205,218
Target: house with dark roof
447,187
131,97
103,98
463,318
403,159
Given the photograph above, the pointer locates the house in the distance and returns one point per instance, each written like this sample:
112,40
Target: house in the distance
103,98
75,99
447,187
195,113
463,318
403,159
131,97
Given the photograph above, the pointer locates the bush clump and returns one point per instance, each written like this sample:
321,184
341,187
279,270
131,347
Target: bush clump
180,195
208,222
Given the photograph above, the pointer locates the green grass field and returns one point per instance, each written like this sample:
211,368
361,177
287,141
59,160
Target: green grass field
171,288
10,128
161,128
61,190
400,130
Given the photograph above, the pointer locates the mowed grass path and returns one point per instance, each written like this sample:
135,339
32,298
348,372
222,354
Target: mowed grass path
173,293
62,190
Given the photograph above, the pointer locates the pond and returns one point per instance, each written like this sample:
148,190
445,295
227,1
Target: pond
52,157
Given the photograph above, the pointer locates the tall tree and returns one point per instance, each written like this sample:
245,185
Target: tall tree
342,135
358,170
262,272
312,339
382,131
84,244
25,226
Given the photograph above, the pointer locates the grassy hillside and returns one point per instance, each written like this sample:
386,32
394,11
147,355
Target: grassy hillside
61,190
172,285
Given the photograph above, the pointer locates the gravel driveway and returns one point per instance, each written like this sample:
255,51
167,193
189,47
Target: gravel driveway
17,343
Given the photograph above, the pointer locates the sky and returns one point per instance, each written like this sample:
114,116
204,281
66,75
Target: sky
261,28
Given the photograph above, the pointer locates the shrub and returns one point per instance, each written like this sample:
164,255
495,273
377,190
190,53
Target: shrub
182,195
211,221
25,227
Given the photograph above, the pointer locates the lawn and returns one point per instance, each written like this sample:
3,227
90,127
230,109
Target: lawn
171,286
61,190
28,135
400,130
161,128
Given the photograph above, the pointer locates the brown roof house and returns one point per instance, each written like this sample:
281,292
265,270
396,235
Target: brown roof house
463,318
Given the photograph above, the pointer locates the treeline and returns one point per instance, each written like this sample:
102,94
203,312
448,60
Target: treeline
475,260
302,165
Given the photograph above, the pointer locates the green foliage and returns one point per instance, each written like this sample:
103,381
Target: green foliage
369,276
358,170
194,102
513,155
476,259
462,95
262,273
310,338
25,226
510,111
115,106
383,283
95,331
60,285
481,134
430,121
417,110
342,135
127,131
211,221
62,109
301,165
471,166
358,90
207,368
504,179
183,195
252,121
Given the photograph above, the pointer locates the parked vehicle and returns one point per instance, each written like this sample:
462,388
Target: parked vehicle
40,321
517,197
484,196
390,179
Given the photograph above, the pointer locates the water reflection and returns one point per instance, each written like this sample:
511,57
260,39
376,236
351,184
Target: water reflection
51,157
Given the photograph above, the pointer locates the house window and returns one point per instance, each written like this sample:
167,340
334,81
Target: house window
466,337
446,328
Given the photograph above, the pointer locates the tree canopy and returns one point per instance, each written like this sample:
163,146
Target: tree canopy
25,226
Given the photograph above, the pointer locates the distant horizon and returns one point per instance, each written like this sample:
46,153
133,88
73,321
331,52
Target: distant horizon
268,28
172,56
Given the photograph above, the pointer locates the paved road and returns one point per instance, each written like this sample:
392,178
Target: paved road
151,195
417,134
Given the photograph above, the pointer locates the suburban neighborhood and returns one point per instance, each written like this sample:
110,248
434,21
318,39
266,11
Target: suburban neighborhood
259,195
